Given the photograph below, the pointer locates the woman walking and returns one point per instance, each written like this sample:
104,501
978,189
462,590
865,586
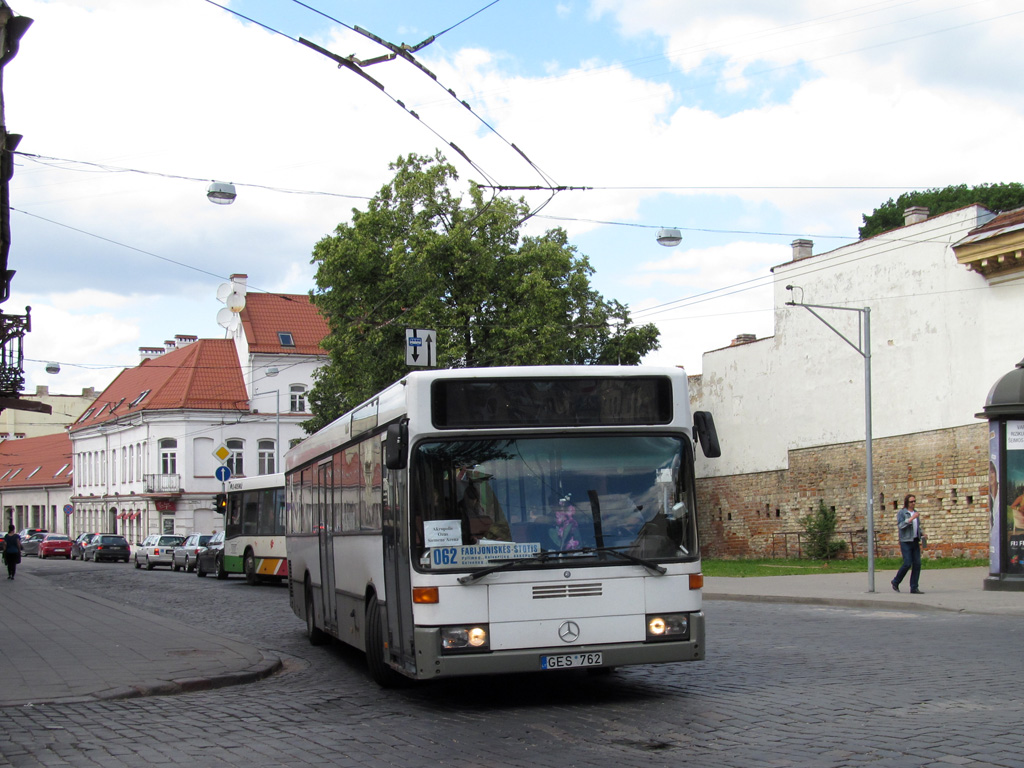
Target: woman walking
12,551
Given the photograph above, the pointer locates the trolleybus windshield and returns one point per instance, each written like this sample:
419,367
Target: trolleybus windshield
484,502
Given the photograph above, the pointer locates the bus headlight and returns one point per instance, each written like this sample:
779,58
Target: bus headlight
668,626
464,639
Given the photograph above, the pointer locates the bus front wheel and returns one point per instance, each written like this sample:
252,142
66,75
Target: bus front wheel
381,673
249,566
315,635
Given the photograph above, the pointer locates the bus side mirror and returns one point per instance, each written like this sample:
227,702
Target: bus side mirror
396,445
704,428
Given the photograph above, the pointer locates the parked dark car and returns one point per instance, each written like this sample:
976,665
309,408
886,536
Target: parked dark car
30,546
78,545
185,555
107,546
211,557
54,545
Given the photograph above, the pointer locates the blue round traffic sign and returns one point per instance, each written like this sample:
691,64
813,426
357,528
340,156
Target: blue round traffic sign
222,473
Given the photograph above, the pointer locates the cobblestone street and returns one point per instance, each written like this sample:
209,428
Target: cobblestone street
783,685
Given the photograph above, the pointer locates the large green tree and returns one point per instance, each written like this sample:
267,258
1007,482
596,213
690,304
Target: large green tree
421,256
995,197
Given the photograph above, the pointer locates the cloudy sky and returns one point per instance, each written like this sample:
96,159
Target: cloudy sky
746,123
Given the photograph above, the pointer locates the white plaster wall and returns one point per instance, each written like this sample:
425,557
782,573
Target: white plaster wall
941,336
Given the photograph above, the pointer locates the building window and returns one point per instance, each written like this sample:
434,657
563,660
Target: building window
298,401
131,463
168,456
234,462
268,457
286,339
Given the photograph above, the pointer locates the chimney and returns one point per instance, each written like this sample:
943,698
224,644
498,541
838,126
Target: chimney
238,283
915,215
743,338
148,353
168,345
182,340
802,249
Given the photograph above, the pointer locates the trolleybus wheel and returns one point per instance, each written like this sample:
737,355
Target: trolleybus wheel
381,673
249,566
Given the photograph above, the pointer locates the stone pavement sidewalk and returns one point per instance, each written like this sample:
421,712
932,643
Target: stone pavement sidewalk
947,589
60,645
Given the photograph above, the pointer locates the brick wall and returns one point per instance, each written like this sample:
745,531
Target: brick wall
947,470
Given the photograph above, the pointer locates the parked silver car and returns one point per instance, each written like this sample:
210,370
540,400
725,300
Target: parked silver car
30,546
185,555
157,549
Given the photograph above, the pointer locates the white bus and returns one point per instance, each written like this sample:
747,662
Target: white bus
475,521
254,529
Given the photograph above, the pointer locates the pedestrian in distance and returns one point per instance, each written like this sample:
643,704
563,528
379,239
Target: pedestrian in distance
12,551
908,521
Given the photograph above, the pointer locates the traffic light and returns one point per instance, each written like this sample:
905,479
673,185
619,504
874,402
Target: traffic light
221,503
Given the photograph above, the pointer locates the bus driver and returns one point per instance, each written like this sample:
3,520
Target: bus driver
479,522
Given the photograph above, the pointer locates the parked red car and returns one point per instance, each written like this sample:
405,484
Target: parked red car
55,545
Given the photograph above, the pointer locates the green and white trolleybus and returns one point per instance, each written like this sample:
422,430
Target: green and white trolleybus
254,529
474,521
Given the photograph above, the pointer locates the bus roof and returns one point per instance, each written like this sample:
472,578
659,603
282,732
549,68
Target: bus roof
393,402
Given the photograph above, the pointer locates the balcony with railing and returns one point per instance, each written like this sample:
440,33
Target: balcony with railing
162,483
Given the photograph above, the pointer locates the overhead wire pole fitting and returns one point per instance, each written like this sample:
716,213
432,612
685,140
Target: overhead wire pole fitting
863,347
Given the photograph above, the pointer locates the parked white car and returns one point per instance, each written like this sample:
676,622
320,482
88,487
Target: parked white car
185,555
157,549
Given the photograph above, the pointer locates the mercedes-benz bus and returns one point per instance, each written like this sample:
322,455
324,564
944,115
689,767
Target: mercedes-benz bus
475,521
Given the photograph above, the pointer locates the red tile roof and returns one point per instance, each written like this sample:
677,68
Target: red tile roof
203,375
268,314
35,461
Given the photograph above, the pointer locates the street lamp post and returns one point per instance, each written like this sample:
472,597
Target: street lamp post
863,346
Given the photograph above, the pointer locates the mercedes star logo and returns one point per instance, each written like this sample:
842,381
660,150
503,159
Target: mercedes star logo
569,632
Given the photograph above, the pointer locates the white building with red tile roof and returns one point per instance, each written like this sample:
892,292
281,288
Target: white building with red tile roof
36,482
144,452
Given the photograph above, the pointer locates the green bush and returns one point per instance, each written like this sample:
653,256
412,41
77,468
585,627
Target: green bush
820,529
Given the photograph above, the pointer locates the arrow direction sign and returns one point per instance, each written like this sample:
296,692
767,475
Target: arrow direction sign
420,347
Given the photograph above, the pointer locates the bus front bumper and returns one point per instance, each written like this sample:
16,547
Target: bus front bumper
430,663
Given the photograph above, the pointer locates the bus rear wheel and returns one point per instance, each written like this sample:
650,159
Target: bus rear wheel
314,634
381,673
249,566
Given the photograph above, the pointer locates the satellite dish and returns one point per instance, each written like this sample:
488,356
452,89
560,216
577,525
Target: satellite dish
235,301
222,291
234,322
224,317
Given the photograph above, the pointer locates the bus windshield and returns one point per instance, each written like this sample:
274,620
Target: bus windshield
481,502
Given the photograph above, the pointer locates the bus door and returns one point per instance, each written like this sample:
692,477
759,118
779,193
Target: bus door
324,524
397,572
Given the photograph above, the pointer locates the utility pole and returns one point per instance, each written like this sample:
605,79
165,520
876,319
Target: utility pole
863,347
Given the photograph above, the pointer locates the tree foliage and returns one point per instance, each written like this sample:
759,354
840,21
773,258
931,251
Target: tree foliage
995,197
421,257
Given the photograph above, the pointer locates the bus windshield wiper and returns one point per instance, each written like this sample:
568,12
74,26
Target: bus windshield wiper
648,564
506,565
